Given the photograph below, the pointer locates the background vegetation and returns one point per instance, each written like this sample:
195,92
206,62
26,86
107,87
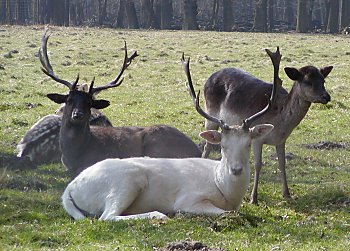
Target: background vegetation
31,215
329,16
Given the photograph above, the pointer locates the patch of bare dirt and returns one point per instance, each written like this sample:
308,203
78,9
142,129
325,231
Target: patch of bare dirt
327,145
188,245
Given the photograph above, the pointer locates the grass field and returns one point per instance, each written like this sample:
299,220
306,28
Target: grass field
153,92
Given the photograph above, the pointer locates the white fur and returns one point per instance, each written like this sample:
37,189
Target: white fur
119,189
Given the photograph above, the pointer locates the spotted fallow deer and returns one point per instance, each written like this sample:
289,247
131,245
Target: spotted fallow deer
83,145
233,94
139,188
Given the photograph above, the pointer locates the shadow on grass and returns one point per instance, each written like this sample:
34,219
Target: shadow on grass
327,198
21,175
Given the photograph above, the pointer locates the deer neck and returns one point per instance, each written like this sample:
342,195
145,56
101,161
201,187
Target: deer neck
74,137
232,185
295,107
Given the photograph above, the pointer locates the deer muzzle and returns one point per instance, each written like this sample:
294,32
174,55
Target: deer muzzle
77,115
236,171
325,98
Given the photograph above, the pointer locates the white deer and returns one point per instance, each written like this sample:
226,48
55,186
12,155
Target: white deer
134,188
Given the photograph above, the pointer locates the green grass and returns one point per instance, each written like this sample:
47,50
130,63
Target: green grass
318,216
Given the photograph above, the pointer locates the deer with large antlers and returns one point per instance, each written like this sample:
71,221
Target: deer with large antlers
233,94
83,145
135,188
40,144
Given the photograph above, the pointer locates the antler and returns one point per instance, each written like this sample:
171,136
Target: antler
195,98
45,62
276,59
277,82
115,83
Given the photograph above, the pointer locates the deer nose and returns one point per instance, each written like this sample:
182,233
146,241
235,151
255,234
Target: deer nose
237,170
77,115
326,97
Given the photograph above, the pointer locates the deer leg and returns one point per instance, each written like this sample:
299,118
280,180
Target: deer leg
119,201
150,215
209,125
257,150
281,155
205,208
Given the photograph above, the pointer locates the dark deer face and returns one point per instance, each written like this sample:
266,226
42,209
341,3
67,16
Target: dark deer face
311,82
78,105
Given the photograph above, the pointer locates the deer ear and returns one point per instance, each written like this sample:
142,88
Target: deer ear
57,98
293,73
326,70
260,130
211,136
100,104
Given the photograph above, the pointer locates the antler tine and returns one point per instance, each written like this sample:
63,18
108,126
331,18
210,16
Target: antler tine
195,98
276,59
277,82
115,83
45,62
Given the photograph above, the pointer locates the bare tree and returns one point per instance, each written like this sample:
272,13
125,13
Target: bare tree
302,17
214,15
147,14
121,14
288,12
190,12
227,15
166,14
271,14
260,17
133,22
333,18
345,13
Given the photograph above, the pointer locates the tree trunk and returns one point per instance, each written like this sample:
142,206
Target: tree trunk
80,12
260,17
271,15
66,12
227,15
288,12
214,15
157,8
310,10
58,9
166,14
133,23
345,13
49,11
121,14
148,16
333,19
190,12
102,11
3,12
302,17
73,14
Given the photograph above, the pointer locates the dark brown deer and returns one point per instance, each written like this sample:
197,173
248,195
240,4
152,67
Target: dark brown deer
40,144
233,94
83,145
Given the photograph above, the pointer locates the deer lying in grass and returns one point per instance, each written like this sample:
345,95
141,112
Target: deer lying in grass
119,189
232,94
83,145
41,142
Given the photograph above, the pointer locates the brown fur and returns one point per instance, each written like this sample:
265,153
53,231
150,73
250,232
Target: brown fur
234,95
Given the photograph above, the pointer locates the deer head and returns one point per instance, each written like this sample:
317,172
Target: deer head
311,81
235,139
79,102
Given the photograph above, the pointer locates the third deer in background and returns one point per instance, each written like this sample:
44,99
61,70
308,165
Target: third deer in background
233,94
